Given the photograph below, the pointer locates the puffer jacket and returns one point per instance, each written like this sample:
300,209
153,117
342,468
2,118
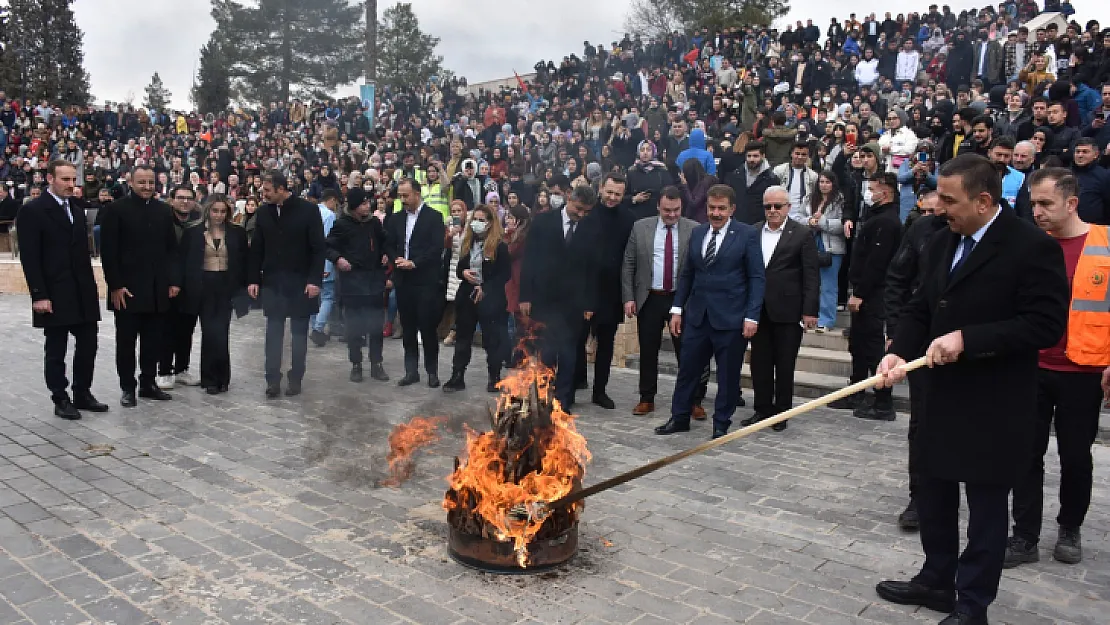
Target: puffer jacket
452,278
902,143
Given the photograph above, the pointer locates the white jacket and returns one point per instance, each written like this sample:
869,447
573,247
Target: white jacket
905,70
901,144
867,72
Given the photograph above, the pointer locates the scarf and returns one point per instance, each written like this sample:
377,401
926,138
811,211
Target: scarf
651,163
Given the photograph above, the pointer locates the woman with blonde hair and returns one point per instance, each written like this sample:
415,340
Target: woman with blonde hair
484,269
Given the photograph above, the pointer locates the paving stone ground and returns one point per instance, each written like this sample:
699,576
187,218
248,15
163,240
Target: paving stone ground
234,509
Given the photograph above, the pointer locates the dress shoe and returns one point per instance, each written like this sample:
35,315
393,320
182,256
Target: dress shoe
86,401
455,382
1020,551
433,380
752,420
644,408
957,618
875,413
378,373
318,338
850,402
603,400
409,379
356,372
780,426
127,400
719,431
293,389
273,390
155,393
673,426
913,593
213,390
697,413
908,521
65,409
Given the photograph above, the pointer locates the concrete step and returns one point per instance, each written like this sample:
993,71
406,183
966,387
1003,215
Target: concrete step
833,339
807,384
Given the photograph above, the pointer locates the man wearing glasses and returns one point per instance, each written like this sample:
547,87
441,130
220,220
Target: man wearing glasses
173,363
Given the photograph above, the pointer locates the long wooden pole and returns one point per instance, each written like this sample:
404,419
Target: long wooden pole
862,385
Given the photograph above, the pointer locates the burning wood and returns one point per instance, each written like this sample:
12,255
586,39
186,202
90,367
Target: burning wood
532,454
404,441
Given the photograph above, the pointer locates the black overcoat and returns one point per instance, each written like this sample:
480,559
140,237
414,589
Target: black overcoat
56,262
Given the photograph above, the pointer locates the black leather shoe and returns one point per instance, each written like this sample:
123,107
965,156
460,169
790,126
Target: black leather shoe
409,379
673,426
957,618
850,402
86,401
155,393
273,390
356,372
908,520
875,413
213,390
752,420
780,426
65,409
719,431
454,383
603,400
913,593
433,380
127,400
293,389
378,373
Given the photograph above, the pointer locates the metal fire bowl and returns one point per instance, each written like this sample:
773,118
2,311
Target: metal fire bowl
491,556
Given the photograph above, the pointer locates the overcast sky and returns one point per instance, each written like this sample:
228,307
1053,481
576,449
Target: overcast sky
128,40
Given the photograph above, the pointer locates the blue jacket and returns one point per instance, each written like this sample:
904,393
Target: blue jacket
1011,185
728,291
1089,101
328,219
698,152
851,47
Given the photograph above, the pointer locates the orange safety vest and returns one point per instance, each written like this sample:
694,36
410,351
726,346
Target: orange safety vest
1088,341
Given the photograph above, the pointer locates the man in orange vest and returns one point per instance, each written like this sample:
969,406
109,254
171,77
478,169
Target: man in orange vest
1069,389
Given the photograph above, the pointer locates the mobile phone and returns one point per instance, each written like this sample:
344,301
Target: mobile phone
850,139
456,221
922,157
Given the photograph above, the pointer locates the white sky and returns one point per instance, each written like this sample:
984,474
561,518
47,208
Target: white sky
128,40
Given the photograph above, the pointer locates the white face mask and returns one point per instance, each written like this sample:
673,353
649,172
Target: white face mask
826,99
479,227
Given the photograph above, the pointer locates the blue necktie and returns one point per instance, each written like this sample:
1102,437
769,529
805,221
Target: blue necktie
966,246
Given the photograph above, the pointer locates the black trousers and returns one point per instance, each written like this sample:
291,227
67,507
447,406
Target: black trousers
650,323
606,334
420,309
867,342
215,330
148,329
275,339
495,337
774,353
974,574
558,333
1071,402
917,413
177,342
364,327
84,358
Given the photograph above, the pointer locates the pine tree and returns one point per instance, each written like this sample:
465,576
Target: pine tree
42,47
406,55
287,46
212,93
656,18
157,95
10,72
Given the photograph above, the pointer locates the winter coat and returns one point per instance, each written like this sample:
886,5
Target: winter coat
698,152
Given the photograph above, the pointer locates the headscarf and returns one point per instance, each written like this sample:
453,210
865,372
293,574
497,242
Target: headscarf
651,163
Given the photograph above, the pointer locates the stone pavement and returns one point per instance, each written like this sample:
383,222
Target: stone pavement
240,510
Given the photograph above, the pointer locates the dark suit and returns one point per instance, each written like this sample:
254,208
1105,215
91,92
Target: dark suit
56,264
139,254
421,291
715,300
286,255
793,290
1009,299
212,295
491,313
559,280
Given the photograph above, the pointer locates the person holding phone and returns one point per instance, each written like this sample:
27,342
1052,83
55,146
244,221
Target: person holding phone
646,179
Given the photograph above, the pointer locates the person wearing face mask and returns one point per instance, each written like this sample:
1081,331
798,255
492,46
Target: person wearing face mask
484,269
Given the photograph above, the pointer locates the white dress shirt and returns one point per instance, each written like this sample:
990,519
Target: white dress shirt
658,255
410,224
978,236
64,204
769,239
566,222
721,234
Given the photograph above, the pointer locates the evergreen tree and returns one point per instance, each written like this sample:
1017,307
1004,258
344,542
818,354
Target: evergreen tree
157,95
406,54
655,18
212,93
10,72
291,46
42,47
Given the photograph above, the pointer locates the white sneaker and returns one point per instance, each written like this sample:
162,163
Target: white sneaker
185,378
165,382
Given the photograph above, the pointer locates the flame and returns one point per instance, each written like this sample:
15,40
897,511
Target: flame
480,477
404,441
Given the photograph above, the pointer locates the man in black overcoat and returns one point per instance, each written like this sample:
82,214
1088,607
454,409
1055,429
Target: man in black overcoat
994,293
54,251
139,254
286,268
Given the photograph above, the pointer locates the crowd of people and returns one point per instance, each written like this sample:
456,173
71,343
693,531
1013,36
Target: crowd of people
727,188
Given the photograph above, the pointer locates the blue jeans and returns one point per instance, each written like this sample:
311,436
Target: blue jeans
391,311
829,276
327,299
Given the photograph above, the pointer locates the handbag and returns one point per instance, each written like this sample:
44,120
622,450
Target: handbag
824,258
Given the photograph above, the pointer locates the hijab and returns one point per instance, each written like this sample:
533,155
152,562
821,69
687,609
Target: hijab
651,163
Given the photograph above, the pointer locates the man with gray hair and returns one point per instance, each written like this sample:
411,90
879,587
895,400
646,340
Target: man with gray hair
790,300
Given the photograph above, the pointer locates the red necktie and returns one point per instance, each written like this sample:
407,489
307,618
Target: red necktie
668,261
